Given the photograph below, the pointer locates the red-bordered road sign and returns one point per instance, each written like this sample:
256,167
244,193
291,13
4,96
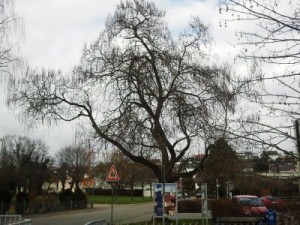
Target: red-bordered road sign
112,174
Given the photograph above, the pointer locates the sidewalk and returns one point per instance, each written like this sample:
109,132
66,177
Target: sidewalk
96,207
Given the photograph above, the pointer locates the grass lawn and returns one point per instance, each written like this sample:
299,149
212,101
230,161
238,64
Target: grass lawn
106,199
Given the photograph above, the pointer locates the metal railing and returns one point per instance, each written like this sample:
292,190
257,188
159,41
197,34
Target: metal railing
24,222
36,207
8,219
239,220
96,222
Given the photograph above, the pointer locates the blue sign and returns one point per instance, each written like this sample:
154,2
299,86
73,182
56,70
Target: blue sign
165,199
158,199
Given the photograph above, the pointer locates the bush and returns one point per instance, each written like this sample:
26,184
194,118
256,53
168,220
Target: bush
79,199
70,200
289,212
225,208
65,195
65,198
45,203
22,201
5,200
189,206
121,192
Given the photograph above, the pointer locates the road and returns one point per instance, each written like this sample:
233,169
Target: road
121,214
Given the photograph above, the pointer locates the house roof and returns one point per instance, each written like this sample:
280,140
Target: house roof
273,167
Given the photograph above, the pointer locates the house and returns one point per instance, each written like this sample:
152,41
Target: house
284,171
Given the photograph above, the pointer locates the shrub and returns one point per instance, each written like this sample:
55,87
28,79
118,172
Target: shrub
65,198
22,201
79,199
44,203
5,200
70,200
289,212
189,206
225,208
121,192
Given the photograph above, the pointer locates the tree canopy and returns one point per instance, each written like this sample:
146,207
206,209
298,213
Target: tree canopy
74,161
222,164
24,164
151,95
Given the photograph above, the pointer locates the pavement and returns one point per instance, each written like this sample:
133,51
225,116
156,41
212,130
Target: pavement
124,214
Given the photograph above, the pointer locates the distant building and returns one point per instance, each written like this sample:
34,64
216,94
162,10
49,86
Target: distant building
270,155
246,155
284,171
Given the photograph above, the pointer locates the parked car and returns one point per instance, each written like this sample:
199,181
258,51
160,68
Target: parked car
272,202
250,205
198,195
179,194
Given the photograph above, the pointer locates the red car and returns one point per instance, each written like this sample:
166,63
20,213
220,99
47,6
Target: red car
272,202
250,205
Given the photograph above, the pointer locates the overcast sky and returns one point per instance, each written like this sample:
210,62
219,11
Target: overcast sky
55,32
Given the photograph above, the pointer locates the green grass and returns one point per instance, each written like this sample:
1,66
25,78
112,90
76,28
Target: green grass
106,199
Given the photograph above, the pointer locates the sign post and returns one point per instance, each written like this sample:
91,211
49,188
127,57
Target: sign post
204,203
112,176
297,131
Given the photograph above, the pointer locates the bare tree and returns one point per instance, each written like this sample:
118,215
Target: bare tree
10,27
269,39
131,173
151,95
77,159
8,169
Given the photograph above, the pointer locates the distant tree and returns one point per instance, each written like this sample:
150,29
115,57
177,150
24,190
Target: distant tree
78,160
62,174
8,168
131,174
135,174
268,35
141,90
22,202
29,161
289,159
5,200
222,164
261,165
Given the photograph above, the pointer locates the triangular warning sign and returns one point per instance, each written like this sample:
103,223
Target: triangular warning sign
112,174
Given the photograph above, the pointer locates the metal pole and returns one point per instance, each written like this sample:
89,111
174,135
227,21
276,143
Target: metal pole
298,149
217,186
164,182
112,205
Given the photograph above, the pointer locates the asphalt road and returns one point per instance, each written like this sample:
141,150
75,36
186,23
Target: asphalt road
121,214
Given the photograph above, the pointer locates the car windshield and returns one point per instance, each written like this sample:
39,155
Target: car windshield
250,202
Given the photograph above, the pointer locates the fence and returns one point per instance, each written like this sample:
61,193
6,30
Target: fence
96,222
24,222
36,207
9,219
238,220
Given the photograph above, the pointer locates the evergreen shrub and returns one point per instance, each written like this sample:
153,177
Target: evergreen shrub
22,202
5,201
